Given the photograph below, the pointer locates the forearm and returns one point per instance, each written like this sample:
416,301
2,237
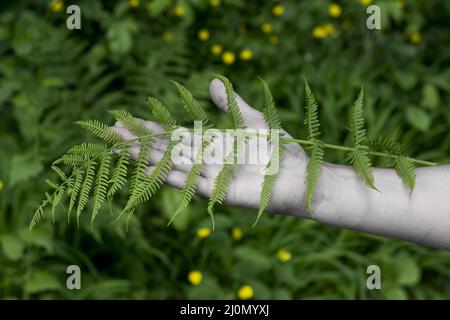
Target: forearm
422,216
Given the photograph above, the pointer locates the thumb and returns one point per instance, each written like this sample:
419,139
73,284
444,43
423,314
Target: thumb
252,117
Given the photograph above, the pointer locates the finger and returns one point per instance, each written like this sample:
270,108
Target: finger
252,117
177,179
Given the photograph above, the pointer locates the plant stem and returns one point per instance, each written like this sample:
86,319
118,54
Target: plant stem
343,148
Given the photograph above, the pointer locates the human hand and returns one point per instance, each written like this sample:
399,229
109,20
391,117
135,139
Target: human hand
288,195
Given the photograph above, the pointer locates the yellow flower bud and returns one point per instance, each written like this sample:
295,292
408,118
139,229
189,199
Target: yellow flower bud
195,277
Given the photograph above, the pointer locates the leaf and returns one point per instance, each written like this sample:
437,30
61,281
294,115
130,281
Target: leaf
12,246
42,281
233,108
191,182
100,130
101,185
24,167
191,105
161,113
223,180
406,171
134,125
86,188
118,177
418,118
312,117
313,169
408,271
269,180
269,111
359,157
360,160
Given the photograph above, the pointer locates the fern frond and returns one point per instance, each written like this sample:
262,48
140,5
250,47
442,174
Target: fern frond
118,177
144,190
269,110
86,150
101,185
269,180
311,116
233,107
382,144
406,171
190,185
357,120
38,215
100,130
59,172
191,105
57,197
313,169
140,165
135,126
86,188
74,192
359,156
161,113
224,179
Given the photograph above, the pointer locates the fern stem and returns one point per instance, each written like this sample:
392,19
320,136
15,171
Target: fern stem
343,148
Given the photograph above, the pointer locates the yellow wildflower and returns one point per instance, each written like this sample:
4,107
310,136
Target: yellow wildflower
2,185
179,11
214,3
203,232
203,35
228,57
56,6
133,3
334,10
195,277
236,233
278,10
284,255
246,54
216,49
245,292
167,36
266,27
319,32
365,2
415,38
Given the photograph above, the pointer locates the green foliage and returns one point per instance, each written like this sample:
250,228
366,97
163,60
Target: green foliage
314,165
144,185
359,156
109,64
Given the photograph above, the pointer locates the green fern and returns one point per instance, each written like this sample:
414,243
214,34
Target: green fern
86,188
118,177
405,169
84,170
74,192
314,165
359,156
101,185
225,176
273,120
191,182
161,113
191,105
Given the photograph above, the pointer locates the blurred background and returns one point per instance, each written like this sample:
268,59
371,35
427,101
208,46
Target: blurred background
127,50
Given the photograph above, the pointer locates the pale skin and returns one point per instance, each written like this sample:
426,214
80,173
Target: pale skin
341,197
